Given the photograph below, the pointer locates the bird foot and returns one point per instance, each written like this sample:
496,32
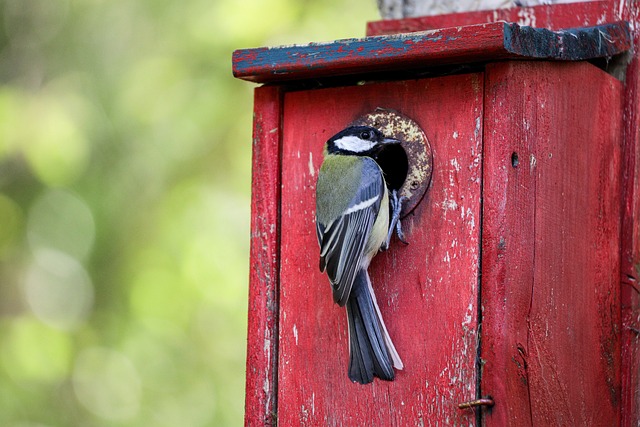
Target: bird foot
395,224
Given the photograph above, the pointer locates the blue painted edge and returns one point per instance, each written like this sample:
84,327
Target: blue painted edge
368,53
573,44
498,40
321,55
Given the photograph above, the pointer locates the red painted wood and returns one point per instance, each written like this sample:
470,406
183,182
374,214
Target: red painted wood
413,51
354,56
550,247
554,17
263,322
262,356
427,290
630,236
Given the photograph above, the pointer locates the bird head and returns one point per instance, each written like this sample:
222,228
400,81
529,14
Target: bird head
358,141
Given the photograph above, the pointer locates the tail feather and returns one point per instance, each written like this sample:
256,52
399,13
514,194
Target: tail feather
360,363
397,362
371,351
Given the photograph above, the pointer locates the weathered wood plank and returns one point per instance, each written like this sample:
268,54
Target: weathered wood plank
551,236
630,262
427,290
553,17
402,52
262,355
396,9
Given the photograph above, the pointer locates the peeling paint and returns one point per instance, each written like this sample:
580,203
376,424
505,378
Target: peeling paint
312,170
449,205
478,128
455,164
527,17
602,19
426,48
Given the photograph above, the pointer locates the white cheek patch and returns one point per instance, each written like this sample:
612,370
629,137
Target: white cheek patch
354,144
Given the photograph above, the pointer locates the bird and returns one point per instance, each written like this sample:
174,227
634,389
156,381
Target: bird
353,224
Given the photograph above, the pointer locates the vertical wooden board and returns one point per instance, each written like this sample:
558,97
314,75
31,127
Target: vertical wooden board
551,235
630,246
507,243
630,262
260,396
427,290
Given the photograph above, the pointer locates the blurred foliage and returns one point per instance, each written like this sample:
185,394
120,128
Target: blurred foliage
125,149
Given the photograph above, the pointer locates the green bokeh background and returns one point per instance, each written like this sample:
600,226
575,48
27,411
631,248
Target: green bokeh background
125,149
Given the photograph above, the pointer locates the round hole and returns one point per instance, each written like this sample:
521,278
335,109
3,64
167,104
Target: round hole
407,166
394,164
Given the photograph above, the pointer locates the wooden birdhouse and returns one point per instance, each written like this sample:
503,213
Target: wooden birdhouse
507,306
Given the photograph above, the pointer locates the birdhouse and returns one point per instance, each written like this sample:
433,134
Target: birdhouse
506,305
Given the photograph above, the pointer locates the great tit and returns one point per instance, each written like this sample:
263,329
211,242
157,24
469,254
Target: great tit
352,223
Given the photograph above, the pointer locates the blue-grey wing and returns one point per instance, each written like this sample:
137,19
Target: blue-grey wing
343,240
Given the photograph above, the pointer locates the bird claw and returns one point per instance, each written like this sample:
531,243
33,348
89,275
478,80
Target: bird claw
395,223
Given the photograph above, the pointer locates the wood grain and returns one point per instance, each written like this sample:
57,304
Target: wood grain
550,247
427,290
555,17
630,250
262,354
396,9
421,50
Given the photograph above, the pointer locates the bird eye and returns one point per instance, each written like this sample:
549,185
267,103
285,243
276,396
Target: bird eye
365,135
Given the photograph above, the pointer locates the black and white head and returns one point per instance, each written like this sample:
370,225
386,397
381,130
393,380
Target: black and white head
359,141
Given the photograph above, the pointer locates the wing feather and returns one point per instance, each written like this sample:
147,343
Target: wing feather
343,239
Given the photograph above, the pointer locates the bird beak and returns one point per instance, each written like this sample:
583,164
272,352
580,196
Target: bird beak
391,141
